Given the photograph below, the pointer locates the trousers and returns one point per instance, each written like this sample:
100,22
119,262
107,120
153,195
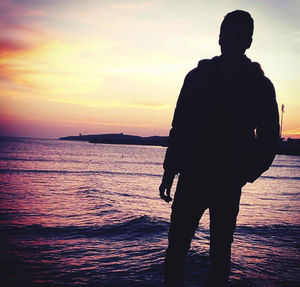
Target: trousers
192,197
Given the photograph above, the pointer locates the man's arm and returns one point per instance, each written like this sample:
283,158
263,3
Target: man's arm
172,161
267,132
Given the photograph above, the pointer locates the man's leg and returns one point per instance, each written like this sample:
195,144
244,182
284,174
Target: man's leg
223,214
185,218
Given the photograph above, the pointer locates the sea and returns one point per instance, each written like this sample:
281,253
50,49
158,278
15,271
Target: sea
81,214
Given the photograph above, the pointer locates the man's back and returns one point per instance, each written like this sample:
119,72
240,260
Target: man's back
215,119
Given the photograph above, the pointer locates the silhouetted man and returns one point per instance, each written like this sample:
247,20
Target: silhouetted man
224,134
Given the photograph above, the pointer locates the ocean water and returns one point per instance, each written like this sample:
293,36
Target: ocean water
80,214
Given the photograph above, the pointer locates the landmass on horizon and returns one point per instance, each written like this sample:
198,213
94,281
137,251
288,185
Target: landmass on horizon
288,147
120,139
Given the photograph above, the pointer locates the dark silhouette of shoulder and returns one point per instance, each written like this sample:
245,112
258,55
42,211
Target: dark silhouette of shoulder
204,67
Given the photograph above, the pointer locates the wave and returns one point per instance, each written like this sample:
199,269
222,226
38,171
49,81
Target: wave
140,162
269,229
281,177
130,230
85,172
6,158
146,227
286,166
37,159
280,233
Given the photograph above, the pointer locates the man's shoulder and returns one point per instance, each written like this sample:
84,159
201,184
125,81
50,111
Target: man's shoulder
255,69
205,66
260,80
207,63
260,75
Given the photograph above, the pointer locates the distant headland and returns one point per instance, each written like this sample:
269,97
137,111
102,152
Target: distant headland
288,147
120,139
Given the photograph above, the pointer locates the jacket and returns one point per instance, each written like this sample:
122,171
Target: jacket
228,127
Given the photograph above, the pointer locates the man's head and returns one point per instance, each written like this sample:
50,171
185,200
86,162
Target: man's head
236,33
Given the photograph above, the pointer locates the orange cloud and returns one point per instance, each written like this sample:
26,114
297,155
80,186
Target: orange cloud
48,67
10,49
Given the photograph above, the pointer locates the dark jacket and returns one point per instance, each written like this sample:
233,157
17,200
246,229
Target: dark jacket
227,127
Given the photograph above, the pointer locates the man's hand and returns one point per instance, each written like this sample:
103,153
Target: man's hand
166,185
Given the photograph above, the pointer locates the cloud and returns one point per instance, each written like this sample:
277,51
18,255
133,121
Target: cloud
12,56
107,123
10,50
50,67
10,47
20,36
94,103
14,14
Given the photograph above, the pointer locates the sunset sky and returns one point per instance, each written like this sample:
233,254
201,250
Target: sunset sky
92,66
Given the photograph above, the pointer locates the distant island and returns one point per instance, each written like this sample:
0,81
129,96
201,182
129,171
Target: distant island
288,147
120,139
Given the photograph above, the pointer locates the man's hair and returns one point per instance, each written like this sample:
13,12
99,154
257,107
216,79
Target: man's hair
240,18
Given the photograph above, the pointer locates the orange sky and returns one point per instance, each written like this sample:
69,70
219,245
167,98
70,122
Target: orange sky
70,67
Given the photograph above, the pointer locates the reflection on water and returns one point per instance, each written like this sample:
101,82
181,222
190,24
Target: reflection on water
78,214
